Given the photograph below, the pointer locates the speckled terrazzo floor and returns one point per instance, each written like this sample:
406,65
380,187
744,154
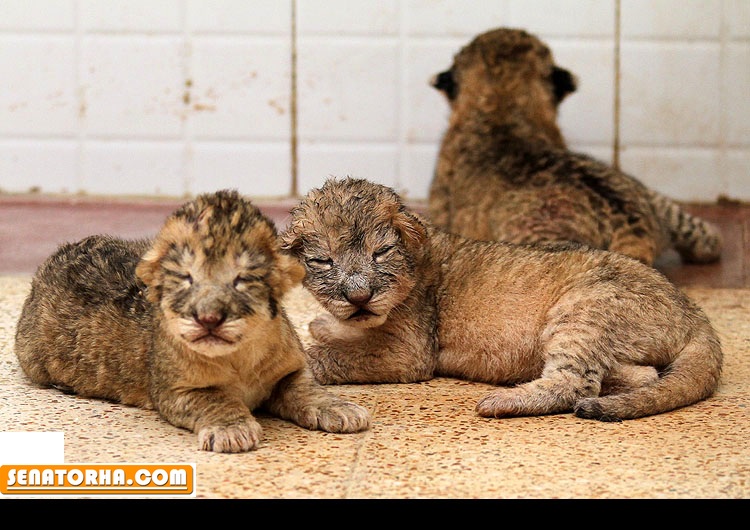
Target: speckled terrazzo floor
426,441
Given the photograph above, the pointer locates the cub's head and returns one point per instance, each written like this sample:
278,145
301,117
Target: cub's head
216,272
360,246
507,65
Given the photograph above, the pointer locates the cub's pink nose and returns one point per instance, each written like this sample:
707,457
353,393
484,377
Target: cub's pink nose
210,321
359,297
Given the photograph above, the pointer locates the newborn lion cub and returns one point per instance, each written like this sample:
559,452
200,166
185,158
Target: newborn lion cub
189,324
573,328
504,173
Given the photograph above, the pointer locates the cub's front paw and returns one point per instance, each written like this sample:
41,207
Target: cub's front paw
321,328
337,416
238,437
499,403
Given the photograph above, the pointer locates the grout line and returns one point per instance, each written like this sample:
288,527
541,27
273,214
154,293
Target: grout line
81,100
401,102
616,103
723,162
188,175
293,107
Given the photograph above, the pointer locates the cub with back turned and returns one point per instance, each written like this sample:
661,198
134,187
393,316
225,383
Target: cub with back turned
504,172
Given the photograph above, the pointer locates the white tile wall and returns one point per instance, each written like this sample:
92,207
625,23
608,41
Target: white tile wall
251,17
660,86
348,89
133,167
38,91
128,15
177,97
239,88
131,87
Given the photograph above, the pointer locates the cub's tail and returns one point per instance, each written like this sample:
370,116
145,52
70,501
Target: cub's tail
696,240
691,377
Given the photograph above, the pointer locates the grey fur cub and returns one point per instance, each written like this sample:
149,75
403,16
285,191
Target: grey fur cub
558,327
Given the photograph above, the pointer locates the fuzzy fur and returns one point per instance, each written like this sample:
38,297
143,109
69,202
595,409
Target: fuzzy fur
189,324
504,172
559,327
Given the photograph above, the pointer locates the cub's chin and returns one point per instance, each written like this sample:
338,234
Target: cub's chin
365,319
211,347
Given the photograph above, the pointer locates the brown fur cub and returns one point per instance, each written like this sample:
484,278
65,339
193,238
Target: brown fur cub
189,324
504,173
573,328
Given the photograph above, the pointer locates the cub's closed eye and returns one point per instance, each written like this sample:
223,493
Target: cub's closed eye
181,276
381,254
320,263
243,280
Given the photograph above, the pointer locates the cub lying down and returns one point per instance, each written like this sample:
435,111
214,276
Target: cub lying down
567,328
189,324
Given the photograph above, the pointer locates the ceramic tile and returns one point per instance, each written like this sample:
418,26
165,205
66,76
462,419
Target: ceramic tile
348,89
132,86
133,168
348,17
46,15
259,170
258,17
130,15
239,88
670,18
48,166
38,95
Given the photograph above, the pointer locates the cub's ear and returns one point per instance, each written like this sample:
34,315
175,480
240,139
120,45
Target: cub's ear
290,240
446,83
287,273
563,83
147,271
412,230
291,270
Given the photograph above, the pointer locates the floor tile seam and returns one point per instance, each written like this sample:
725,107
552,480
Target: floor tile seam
351,481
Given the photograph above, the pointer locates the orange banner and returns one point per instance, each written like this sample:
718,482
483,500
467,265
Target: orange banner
97,479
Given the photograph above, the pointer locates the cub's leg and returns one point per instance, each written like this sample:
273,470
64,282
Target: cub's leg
571,371
302,400
628,377
222,421
396,352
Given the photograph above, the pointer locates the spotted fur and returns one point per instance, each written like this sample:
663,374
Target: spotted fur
504,171
189,323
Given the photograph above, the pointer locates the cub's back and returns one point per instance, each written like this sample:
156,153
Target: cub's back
516,290
85,304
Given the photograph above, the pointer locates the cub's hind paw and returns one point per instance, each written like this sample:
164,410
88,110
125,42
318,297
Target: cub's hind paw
237,437
339,416
531,399
591,409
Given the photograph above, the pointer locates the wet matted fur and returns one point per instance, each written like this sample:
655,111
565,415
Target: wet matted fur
562,327
504,172
189,324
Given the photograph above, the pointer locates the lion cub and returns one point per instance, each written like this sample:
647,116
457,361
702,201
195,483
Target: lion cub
189,324
573,328
503,171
